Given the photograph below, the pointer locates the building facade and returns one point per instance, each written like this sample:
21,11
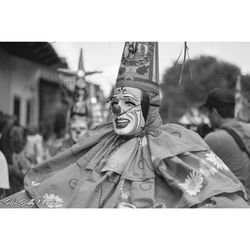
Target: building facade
29,85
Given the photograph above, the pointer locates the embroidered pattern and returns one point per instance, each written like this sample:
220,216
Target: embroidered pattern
52,201
124,195
142,70
34,183
206,169
216,161
137,53
159,205
125,205
143,141
153,157
193,183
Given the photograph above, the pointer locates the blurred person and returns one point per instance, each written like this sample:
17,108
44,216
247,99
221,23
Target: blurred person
18,162
49,137
2,121
242,98
12,144
4,176
230,139
78,127
5,142
78,118
134,161
34,146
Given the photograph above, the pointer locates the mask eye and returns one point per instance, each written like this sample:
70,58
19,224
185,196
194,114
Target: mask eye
129,103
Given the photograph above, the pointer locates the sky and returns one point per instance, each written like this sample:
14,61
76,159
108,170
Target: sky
105,56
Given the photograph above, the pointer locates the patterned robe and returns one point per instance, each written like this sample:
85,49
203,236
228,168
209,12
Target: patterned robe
163,166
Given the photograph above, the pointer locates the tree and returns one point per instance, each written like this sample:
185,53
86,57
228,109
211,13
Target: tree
207,73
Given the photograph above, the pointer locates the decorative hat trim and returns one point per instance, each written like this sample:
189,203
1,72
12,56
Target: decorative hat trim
143,84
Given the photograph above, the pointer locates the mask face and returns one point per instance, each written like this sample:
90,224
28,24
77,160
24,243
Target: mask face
78,127
126,109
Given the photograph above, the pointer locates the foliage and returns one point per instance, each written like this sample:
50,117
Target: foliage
207,73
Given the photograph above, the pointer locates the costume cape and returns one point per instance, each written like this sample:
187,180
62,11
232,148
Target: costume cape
163,166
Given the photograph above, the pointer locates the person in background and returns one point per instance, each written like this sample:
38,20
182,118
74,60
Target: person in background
230,139
5,143
20,163
12,144
242,99
2,121
78,127
34,146
4,176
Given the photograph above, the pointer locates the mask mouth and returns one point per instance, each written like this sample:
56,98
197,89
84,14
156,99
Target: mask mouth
121,123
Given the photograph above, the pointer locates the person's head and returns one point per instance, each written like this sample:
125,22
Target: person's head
18,139
77,128
137,88
220,106
80,93
130,109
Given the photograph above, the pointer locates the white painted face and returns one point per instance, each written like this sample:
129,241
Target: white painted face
126,109
78,127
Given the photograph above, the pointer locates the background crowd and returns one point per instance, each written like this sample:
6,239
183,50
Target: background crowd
21,149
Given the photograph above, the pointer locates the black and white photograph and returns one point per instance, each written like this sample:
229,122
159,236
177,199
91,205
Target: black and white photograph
124,124
155,128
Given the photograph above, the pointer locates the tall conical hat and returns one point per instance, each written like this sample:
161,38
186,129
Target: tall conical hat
139,68
80,80
80,64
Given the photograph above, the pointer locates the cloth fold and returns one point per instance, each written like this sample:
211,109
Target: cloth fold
168,165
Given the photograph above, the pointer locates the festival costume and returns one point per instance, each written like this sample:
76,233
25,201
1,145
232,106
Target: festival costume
79,110
158,166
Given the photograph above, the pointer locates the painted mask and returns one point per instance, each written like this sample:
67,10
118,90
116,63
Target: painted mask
78,127
126,109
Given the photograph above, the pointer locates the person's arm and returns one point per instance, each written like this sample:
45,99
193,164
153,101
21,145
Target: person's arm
212,142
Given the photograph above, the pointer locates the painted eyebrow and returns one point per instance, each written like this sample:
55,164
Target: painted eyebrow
125,95
133,97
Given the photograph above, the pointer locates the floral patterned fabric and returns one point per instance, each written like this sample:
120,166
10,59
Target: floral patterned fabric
164,166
